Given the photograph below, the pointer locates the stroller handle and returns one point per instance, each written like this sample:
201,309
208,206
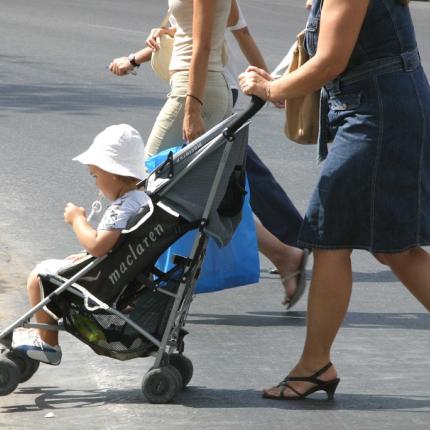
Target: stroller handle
254,107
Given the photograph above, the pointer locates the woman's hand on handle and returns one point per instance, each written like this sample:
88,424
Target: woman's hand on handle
255,81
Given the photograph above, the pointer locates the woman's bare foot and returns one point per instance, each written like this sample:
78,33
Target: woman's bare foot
287,259
288,265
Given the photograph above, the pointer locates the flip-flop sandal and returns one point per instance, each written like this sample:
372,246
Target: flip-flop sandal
301,280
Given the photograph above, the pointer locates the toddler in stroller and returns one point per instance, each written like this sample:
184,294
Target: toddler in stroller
116,161
121,304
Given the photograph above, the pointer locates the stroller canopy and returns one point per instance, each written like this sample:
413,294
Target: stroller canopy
185,182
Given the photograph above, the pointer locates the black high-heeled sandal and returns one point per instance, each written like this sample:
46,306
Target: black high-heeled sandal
328,386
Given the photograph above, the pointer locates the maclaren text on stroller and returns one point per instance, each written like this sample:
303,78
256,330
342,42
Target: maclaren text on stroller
121,305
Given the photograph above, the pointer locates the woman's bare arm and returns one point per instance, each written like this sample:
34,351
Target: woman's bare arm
340,25
249,48
203,20
122,66
246,42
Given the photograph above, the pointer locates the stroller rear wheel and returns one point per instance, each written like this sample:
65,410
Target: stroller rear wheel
184,365
26,366
9,376
161,385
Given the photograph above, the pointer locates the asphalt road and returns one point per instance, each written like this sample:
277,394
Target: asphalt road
55,96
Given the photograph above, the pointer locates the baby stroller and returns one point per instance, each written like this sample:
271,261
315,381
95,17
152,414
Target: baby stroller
120,304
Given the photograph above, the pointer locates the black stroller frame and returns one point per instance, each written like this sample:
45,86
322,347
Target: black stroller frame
131,321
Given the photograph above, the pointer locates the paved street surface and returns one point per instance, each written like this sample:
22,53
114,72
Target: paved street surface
55,96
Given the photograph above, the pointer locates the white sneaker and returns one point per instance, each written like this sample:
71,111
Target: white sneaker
41,351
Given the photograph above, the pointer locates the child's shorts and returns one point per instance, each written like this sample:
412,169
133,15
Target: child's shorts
53,266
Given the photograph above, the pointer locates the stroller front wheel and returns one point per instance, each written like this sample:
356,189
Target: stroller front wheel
162,384
26,366
9,376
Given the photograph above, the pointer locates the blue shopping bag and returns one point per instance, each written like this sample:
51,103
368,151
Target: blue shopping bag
234,265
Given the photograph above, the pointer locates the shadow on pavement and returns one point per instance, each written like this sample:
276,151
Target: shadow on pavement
382,276
410,321
201,397
378,277
53,398
73,98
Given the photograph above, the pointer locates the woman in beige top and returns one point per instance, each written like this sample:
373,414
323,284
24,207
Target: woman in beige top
199,97
181,111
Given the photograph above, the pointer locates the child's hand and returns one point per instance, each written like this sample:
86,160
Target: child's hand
77,257
71,212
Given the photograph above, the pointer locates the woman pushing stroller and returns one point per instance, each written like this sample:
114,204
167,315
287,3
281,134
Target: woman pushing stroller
116,161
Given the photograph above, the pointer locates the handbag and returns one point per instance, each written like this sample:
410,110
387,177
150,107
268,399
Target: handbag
234,265
301,113
160,60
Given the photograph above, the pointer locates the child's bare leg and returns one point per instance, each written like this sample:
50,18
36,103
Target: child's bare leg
48,336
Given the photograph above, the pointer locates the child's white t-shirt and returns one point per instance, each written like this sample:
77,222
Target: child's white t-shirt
122,209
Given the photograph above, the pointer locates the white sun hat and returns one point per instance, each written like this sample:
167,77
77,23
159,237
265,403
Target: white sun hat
118,149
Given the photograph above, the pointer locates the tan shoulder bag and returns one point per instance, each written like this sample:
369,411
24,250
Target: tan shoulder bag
302,113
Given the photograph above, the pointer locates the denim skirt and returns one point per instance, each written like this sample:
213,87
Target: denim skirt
373,192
